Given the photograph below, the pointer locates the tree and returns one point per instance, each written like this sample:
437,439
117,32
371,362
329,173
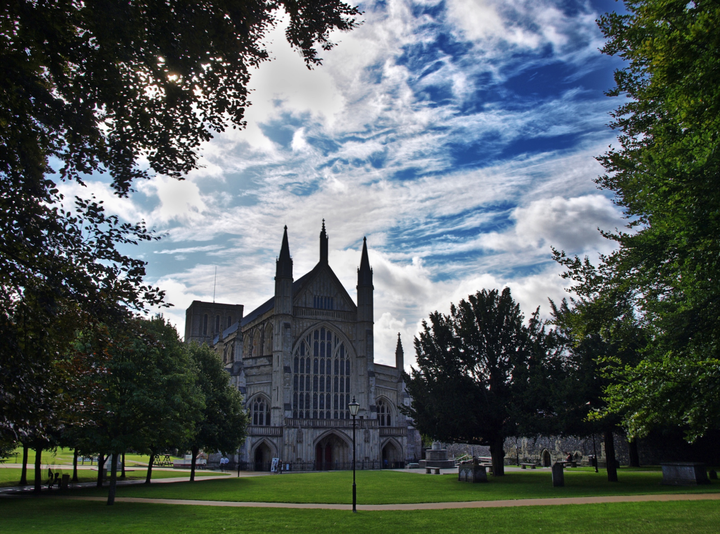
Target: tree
664,174
474,371
61,273
156,86
78,99
147,395
597,337
222,423
175,418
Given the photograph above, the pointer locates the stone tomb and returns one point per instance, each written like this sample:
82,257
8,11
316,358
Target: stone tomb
684,474
437,457
472,471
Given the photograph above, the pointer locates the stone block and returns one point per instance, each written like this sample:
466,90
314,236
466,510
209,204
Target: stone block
470,472
558,475
684,474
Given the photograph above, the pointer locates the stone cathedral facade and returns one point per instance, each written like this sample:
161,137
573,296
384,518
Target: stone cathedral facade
299,359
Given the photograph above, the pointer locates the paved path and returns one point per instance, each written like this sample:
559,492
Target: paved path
424,506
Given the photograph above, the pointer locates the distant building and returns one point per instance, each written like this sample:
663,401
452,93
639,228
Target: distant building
299,359
204,321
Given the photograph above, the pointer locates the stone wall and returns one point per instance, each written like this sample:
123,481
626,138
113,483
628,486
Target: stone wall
658,447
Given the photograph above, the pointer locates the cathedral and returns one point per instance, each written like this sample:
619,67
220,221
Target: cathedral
299,359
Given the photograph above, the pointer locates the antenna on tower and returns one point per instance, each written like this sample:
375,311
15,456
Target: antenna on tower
214,284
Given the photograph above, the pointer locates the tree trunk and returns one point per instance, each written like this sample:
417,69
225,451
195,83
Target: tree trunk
634,453
38,471
23,472
498,457
148,477
101,462
610,457
75,458
113,478
122,473
194,452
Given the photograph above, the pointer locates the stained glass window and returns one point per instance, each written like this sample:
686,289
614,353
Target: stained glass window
321,355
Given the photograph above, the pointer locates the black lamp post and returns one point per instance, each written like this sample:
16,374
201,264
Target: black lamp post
354,407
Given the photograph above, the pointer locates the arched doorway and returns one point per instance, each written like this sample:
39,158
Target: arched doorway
391,456
262,458
546,458
331,452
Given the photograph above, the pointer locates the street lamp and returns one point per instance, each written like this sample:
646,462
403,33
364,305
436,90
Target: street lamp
354,407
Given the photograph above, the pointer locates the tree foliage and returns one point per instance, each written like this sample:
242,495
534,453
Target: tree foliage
124,88
99,85
478,375
664,174
601,332
222,423
144,393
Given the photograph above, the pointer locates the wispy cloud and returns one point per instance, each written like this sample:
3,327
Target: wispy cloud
458,136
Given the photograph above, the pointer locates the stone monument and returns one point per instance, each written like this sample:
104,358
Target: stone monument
437,457
472,471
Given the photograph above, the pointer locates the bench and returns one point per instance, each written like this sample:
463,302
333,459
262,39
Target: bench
163,461
526,465
432,470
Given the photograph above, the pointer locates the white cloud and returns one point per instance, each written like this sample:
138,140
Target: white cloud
570,224
464,221
179,199
496,25
125,208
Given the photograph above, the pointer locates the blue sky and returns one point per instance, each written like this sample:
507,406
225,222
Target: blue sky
458,136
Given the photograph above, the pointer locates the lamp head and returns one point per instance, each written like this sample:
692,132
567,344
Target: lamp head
354,407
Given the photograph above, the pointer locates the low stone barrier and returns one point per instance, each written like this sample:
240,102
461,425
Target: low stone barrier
472,471
684,474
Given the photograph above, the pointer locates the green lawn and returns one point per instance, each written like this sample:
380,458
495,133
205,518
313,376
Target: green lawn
387,487
62,456
62,516
10,476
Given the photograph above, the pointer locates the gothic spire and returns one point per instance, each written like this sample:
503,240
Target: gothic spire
364,272
323,244
283,268
399,354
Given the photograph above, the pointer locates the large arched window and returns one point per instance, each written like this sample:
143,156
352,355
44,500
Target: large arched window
259,411
384,412
321,381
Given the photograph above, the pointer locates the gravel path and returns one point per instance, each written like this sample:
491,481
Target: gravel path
423,506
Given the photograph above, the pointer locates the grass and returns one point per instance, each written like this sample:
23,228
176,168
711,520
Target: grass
391,487
10,476
62,516
63,456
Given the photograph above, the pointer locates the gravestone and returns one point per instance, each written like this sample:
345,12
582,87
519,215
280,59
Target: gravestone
684,474
558,475
472,471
